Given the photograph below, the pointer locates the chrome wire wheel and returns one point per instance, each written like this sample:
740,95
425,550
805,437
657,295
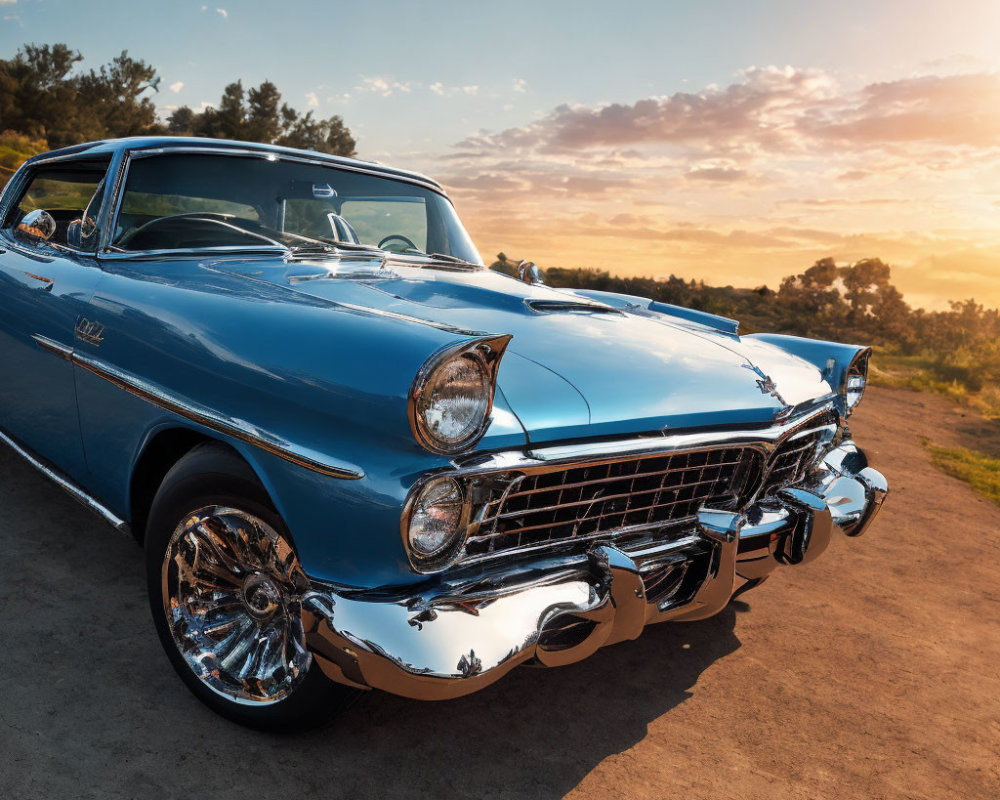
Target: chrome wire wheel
232,589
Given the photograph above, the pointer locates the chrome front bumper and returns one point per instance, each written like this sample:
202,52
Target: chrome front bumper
463,635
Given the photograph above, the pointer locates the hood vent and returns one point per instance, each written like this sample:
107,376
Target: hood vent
557,306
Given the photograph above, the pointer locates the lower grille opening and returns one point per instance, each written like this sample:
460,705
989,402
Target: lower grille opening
674,583
571,633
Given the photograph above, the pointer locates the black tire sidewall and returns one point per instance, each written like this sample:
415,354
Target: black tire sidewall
216,476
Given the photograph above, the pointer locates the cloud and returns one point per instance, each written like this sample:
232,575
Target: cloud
383,86
312,101
442,90
721,173
520,85
176,86
7,3
946,110
222,13
777,110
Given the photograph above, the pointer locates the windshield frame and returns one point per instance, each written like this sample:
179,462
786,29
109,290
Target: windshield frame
108,249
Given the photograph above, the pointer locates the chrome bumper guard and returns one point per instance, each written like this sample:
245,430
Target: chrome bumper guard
459,637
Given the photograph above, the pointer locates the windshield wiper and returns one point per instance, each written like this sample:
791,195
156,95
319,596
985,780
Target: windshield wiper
332,248
440,257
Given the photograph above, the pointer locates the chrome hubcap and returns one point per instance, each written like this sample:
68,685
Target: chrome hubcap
232,590
261,596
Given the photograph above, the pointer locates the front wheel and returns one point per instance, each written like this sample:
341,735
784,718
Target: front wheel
225,589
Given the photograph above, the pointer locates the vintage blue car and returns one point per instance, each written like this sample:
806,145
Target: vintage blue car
356,458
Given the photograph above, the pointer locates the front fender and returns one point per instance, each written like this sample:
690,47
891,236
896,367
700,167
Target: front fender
328,380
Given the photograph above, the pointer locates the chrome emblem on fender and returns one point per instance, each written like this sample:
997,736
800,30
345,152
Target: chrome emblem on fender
92,332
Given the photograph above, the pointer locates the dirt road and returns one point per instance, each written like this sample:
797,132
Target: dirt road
872,673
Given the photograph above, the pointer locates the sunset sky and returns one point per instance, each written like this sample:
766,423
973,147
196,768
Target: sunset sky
731,141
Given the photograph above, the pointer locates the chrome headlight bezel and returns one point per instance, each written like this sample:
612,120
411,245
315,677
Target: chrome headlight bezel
427,561
856,380
482,354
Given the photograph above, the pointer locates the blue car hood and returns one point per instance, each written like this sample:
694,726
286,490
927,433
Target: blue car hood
576,367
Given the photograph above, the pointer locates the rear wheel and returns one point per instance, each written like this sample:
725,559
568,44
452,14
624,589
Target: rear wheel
225,589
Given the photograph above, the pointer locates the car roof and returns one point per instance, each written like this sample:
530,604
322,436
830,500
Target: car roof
105,146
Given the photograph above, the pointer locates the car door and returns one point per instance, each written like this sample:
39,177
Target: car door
47,278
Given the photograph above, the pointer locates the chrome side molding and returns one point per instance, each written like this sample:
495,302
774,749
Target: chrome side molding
67,485
237,429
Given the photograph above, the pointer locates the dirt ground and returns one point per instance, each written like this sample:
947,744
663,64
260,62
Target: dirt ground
872,673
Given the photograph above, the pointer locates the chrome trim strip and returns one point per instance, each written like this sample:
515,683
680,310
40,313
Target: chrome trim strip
623,448
188,252
66,484
238,429
61,350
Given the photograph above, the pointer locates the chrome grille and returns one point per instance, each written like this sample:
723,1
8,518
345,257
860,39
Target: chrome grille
594,500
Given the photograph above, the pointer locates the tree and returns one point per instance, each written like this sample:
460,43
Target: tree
230,119
305,132
115,94
339,140
43,98
263,120
181,122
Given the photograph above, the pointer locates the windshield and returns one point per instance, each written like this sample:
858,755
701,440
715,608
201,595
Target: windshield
186,200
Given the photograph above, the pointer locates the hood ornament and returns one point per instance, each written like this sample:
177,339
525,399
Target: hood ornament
766,384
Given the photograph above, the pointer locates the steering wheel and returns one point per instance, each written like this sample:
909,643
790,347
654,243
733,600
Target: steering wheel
400,238
223,220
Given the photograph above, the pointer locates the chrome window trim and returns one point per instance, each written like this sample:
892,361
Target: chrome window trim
272,155
17,184
50,251
228,426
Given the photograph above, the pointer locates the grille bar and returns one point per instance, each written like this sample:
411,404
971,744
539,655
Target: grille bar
733,464
603,498
790,461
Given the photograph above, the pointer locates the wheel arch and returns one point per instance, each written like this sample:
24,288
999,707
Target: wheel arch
161,450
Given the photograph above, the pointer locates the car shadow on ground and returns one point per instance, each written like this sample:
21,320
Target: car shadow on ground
98,705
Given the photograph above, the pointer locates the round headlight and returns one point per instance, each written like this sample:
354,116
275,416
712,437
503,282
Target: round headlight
435,523
454,402
857,380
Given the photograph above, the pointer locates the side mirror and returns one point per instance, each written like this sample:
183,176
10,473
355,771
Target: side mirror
530,272
74,234
36,227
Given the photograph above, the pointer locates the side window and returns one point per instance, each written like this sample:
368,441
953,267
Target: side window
71,192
